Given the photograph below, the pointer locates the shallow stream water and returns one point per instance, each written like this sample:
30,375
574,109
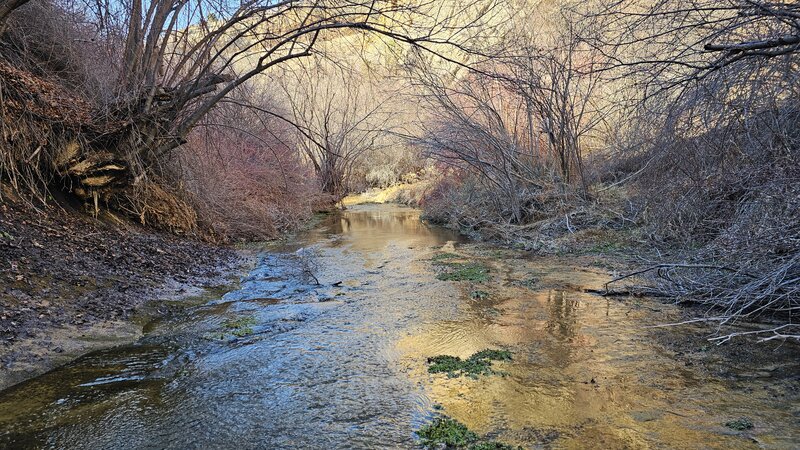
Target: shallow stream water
281,362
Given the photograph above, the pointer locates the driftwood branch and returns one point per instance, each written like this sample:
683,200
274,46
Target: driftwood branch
675,266
755,45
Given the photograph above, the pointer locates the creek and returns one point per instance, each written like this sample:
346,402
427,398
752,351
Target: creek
280,361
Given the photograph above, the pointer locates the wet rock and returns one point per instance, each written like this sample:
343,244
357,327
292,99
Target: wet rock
646,416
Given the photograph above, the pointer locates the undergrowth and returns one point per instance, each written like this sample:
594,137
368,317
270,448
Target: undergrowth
475,272
479,363
740,424
448,433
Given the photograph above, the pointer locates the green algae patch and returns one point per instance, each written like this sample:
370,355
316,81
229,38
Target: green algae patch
443,258
448,433
475,272
479,295
741,424
478,364
492,355
445,364
239,327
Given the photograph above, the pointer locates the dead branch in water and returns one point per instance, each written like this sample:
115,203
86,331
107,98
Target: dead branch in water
776,334
659,267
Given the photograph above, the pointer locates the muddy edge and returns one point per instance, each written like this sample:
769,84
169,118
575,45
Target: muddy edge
71,284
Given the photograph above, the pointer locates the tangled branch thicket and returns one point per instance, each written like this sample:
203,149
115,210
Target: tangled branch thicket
722,171
733,195
247,192
676,120
104,96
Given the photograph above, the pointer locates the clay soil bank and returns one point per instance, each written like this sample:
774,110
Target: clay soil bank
70,283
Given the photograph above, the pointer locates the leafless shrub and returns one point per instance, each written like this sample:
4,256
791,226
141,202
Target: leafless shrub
556,219
307,260
719,172
516,130
244,176
730,198
474,134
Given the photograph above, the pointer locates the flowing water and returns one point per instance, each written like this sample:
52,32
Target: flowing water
281,362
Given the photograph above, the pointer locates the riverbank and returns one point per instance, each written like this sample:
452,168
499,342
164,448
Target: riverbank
350,350
410,194
71,284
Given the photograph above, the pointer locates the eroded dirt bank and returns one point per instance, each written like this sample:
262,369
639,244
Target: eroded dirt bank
71,284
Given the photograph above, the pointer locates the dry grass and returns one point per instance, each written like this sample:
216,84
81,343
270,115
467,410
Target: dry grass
410,194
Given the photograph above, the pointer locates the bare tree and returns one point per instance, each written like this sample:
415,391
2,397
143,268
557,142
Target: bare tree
559,84
338,120
471,129
521,122
177,59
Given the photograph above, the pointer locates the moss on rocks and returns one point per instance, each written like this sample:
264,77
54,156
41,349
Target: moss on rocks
240,327
740,424
479,295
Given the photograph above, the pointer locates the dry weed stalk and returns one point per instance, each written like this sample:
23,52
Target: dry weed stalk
307,260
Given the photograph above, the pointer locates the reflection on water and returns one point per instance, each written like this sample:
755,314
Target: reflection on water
586,374
563,318
342,365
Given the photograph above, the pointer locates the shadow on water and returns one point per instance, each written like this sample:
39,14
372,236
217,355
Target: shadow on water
283,362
